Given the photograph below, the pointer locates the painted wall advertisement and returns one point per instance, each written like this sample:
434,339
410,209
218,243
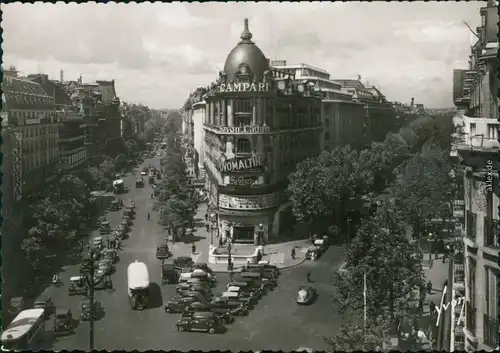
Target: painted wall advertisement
18,165
237,164
257,202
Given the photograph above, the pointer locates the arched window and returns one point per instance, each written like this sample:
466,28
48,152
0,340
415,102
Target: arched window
243,146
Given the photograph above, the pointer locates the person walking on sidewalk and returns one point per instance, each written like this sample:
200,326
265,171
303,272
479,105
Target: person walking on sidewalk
193,248
206,217
432,309
293,253
149,217
308,277
207,226
429,287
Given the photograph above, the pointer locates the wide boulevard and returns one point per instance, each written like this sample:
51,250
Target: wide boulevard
276,323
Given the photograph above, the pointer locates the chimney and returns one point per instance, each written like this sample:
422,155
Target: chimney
61,76
80,80
412,101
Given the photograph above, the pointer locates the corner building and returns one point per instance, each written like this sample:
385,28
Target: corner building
259,123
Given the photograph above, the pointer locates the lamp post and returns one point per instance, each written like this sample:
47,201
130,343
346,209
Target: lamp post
88,268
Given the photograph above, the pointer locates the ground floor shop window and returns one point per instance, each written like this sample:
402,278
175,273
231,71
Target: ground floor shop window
243,234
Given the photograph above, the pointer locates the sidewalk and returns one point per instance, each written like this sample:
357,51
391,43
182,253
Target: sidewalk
279,254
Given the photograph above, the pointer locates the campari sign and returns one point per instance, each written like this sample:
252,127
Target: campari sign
244,87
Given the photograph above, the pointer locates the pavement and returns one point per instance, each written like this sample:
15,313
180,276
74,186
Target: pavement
121,328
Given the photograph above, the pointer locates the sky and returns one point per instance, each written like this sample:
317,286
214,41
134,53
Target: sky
159,53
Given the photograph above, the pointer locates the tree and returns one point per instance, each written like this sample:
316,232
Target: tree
391,261
424,190
120,161
323,188
108,169
356,337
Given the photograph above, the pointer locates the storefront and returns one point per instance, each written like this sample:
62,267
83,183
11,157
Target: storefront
243,228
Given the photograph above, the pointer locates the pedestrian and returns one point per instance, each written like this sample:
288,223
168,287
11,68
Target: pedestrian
308,277
151,195
206,217
293,253
436,252
207,226
259,256
149,216
169,231
193,248
429,287
432,308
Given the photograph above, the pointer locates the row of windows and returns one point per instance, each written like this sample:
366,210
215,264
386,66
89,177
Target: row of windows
33,114
34,131
36,161
30,146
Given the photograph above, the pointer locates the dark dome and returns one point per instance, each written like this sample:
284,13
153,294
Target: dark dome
246,52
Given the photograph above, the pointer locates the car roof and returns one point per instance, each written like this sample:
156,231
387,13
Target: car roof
76,278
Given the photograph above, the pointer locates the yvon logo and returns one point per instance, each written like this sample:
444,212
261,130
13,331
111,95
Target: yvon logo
454,303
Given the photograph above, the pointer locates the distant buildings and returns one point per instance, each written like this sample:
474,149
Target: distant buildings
476,148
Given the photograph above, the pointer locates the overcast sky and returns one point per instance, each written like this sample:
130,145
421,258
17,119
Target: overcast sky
159,53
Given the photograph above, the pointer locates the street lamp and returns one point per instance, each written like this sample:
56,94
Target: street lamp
88,269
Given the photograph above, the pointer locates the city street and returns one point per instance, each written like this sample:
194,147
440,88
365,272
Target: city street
277,322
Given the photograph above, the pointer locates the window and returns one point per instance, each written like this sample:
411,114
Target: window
243,146
327,122
492,132
490,317
472,129
471,225
242,105
471,303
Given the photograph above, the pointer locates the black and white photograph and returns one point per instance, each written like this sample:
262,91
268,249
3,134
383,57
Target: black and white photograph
250,176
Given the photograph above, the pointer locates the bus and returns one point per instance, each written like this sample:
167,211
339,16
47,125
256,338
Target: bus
24,331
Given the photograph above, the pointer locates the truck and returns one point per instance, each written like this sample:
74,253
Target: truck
118,186
138,285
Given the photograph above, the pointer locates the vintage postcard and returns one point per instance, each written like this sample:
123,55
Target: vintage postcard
307,176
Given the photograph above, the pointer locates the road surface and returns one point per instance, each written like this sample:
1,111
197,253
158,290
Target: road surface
277,322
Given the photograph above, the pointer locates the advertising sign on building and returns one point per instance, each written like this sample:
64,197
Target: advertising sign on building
257,202
242,180
18,165
237,164
32,121
244,87
248,129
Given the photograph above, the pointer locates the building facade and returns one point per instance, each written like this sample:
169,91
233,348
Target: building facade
72,151
476,148
379,114
259,123
198,119
343,118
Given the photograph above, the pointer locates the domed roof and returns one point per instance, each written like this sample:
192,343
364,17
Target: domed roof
246,54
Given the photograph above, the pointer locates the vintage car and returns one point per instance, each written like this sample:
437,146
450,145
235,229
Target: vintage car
97,242
101,280
77,286
122,230
194,287
202,275
209,324
203,266
128,219
125,225
251,296
139,183
306,295
115,205
245,287
104,228
263,266
206,311
45,302
106,266
162,252
183,262
313,252
234,307
128,212
63,320
111,255
169,274
238,297
200,296
177,304
86,309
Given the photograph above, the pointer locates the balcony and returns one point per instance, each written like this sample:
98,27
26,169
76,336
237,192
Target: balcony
474,142
490,331
470,227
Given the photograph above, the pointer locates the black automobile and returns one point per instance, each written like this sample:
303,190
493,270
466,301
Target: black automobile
190,286
183,262
234,307
201,296
169,273
258,282
63,320
263,267
203,266
211,324
306,295
248,287
177,304
198,308
162,252
139,183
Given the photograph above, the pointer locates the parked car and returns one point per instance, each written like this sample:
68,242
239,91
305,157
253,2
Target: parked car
106,266
111,255
306,295
183,262
105,228
177,304
169,273
211,324
45,302
77,286
87,310
139,183
203,266
198,307
97,242
234,307
200,296
162,252
63,320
